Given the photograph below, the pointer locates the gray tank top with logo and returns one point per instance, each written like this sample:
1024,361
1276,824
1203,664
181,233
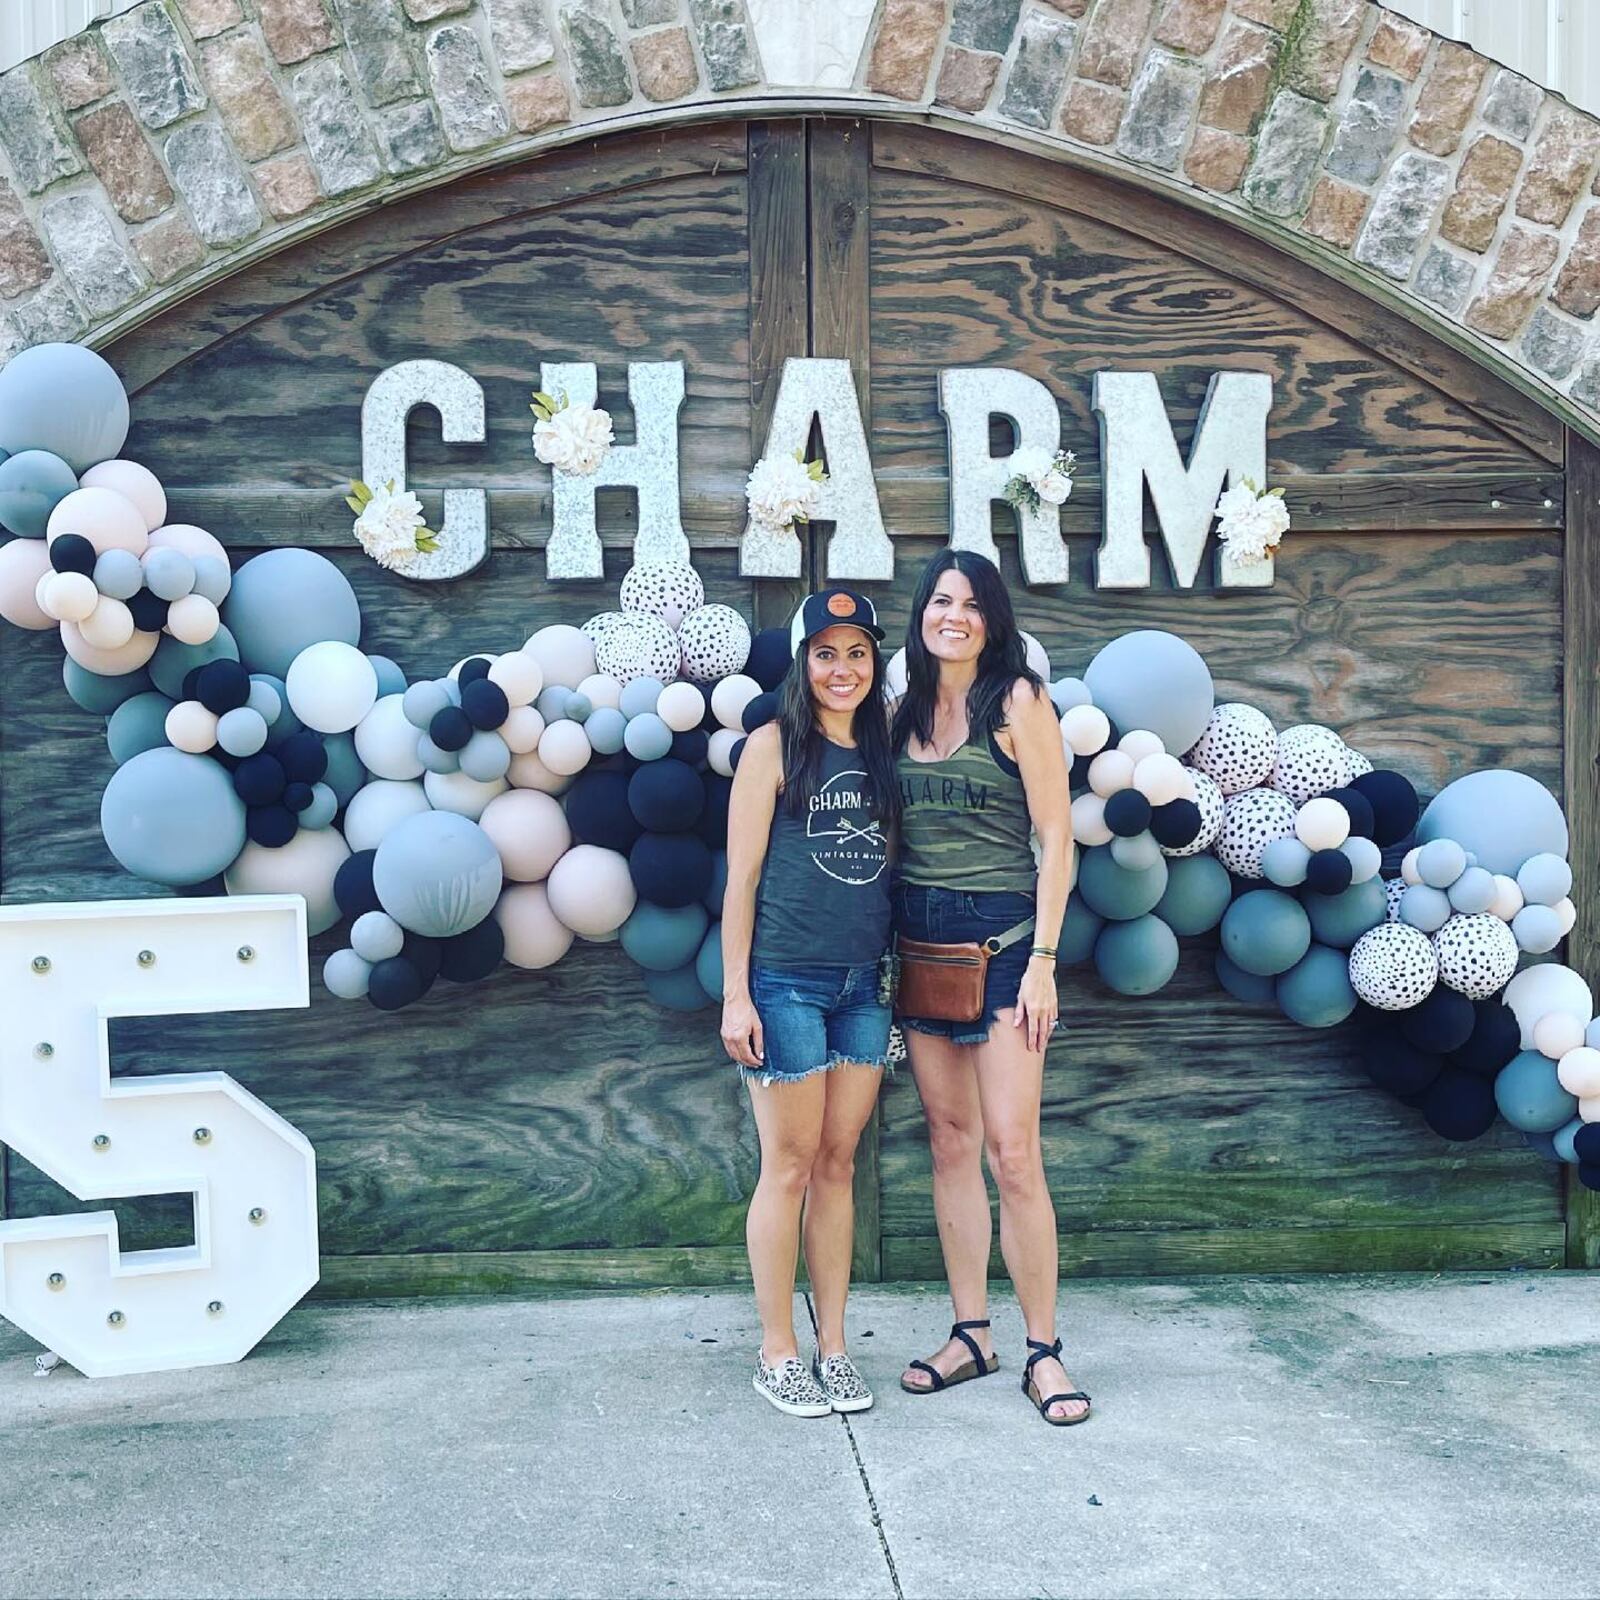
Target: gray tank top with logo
824,893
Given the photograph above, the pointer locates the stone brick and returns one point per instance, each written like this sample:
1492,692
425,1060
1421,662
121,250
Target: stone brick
411,136
726,44
1520,273
1039,69
241,83
1586,388
86,244
1578,288
168,249
1336,212
1113,41
124,162
208,17
537,103
79,71
1482,188
521,33
10,340
23,262
984,24
1368,128
376,35
1402,214
52,316
1399,45
1280,177
1445,279
210,179
1327,34
288,185
1160,109
664,65
33,137
1276,14
430,10
649,13
1559,167
1512,104
966,78
1448,96
1236,92
903,51
1216,160
1069,8
599,70
335,132
1190,25
469,109
156,69
1552,345
1092,111
295,29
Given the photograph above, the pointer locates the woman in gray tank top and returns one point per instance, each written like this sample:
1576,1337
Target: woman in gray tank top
805,928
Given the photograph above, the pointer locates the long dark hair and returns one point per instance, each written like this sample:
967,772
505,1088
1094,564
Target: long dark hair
1003,661
802,738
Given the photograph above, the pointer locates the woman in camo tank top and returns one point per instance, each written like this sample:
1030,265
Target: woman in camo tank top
981,770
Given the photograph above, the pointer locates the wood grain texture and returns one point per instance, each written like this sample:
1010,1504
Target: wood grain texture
529,1271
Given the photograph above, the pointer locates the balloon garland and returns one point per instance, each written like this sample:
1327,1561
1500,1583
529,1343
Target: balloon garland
577,787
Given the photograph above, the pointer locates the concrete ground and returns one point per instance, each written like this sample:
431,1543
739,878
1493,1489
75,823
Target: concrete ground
1397,1436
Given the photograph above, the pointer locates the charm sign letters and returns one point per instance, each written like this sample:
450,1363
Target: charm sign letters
1137,447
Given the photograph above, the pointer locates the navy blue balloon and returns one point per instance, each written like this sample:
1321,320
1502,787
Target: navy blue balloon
149,612
690,747
1176,824
259,780
472,670
714,820
598,811
1393,1063
1127,813
65,399
1496,1036
32,484
1459,1106
759,710
1441,1024
71,552
426,955
222,686
672,869
451,729
1586,1144
736,752
1589,1177
298,796
1362,817
352,885
271,826
472,955
303,757
769,658
1394,803
666,796
173,661
1329,872
484,703
395,983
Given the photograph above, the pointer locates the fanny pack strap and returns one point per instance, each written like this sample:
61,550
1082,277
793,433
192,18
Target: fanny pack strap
1003,941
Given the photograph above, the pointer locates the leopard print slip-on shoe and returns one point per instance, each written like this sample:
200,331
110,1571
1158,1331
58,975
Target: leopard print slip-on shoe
790,1387
844,1386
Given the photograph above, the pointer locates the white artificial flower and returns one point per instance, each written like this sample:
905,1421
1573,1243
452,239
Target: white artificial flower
780,491
574,439
1041,475
1252,522
388,526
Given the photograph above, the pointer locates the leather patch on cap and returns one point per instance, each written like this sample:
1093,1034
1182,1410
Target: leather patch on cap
841,605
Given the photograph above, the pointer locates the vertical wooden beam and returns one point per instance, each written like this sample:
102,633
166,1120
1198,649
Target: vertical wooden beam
1581,768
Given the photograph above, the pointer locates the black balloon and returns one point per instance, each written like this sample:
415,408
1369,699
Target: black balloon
484,703
598,811
426,955
736,752
71,552
221,686
1127,813
1459,1106
352,885
1496,1036
472,669
474,954
149,612
769,657
297,796
1589,1176
1329,872
1393,1063
1586,1144
394,983
759,710
1441,1024
691,747
1176,824
666,796
714,820
1078,777
272,826
451,728
672,869
303,757
259,780
1394,805
1359,809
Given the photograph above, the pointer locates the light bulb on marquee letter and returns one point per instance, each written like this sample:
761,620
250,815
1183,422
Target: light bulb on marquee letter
458,398
1137,446
65,971
649,466
968,397
823,389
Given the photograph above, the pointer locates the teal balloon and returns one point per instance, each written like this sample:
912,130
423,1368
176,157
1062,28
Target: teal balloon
1198,892
437,874
174,660
1501,816
323,809
345,773
677,991
284,600
1113,892
32,485
1265,931
1245,986
1154,680
172,817
605,727
712,898
708,964
647,737
391,680
1340,919
663,938
1136,853
65,399
1136,957
1424,907
98,695
1473,892
138,725
286,722
1530,1096
1316,991
1562,1138
1284,862
1080,927
579,707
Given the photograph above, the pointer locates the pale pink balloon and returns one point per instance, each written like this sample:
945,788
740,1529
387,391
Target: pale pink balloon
24,564
133,482
109,663
193,620
108,520
109,626
527,771
190,727
522,730
529,830
591,890
69,596
535,937
192,541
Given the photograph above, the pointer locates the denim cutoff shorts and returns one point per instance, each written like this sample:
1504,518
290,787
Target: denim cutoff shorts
955,916
816,1018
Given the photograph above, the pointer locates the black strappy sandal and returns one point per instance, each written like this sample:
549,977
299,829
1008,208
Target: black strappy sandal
978,1367
1042,1351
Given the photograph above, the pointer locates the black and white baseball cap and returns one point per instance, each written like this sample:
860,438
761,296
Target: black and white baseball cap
833,608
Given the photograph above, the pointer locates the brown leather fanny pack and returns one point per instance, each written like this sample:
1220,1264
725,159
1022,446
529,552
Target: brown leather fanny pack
944,982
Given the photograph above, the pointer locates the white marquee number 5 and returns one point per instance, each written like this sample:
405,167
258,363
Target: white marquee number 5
65,971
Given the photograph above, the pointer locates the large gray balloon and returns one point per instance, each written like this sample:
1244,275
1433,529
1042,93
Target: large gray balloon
31,486
174,660
64,399
1155,680
284,600
1501,816
172,818
97,694
437,873
138,725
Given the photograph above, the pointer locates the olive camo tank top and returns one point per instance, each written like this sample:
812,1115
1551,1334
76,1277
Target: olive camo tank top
964,821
